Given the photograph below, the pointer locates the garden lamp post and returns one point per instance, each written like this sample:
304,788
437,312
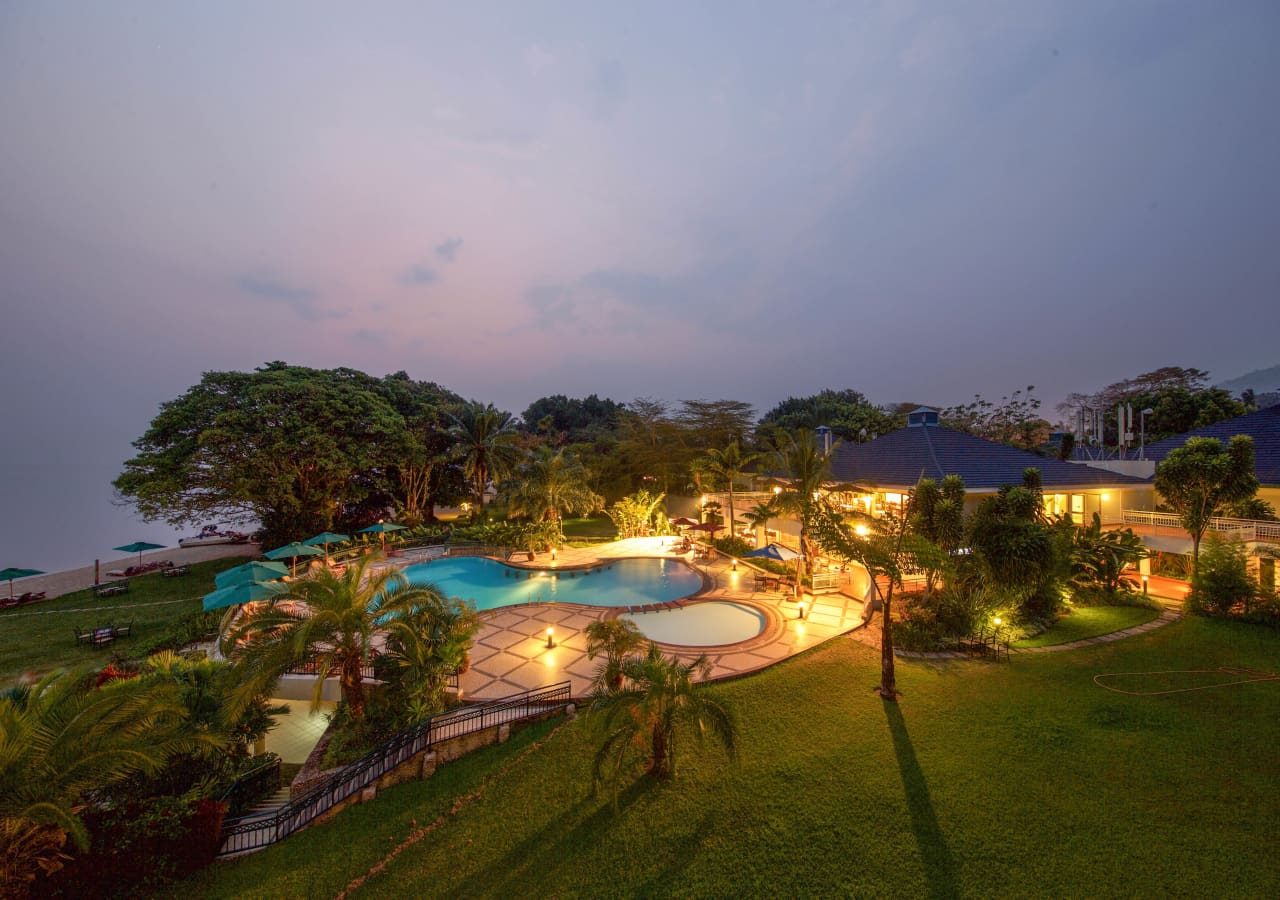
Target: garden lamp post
1142,444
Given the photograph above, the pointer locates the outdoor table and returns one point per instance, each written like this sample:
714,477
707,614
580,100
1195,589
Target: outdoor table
103,636
111,589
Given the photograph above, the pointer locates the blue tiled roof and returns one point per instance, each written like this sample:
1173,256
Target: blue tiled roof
900,457
1263,426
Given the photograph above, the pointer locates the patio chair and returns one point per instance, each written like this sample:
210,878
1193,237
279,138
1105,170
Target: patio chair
122,630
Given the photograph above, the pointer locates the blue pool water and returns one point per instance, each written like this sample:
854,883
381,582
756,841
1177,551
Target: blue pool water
701,624
491,584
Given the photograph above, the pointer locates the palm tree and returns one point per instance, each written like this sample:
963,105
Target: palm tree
60,738
550,484
426,643
615,639
759,516
808,469
647,715
484,439
328,617
726,467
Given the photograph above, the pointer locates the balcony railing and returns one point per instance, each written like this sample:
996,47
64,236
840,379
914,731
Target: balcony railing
1235,529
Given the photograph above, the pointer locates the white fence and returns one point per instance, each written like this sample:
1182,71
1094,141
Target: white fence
1236,529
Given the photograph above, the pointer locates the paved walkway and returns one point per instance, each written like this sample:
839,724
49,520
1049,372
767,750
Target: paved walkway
511,654
1168,614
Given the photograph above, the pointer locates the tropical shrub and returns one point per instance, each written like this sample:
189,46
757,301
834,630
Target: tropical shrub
615,640
60,738
1098,560
426,644
643,721
1223,581
732,545
639,514
329,618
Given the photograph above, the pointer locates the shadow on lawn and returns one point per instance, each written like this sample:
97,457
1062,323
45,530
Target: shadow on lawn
556,843
939,865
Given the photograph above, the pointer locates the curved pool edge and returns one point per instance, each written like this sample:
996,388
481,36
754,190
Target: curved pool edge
707,583
774,625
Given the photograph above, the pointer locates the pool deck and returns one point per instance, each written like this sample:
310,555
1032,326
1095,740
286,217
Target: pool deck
511,655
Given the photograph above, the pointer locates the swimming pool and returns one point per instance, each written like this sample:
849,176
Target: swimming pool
706,624
625,582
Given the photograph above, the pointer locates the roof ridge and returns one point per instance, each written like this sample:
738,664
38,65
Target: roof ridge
933,454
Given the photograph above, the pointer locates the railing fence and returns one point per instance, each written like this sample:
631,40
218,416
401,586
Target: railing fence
254,833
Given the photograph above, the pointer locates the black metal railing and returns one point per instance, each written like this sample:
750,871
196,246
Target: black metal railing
252,834
252,786
312,667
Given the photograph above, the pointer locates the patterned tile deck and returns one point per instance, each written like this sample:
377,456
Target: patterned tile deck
511,651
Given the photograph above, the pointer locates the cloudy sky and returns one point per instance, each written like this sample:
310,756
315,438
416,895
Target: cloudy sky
918,200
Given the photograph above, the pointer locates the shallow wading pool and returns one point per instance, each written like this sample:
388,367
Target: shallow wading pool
707,624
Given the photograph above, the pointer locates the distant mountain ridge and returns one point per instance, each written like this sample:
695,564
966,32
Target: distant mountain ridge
1259,381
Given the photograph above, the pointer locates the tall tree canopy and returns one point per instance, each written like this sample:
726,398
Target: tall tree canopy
1200,477
850,415
420,469
287,446
572,419
485,443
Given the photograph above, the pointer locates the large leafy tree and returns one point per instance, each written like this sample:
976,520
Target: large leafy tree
486,443
1200,477
726,467
849,414
571,419
715,423
887,548
644,719
329,618
60,738
653,447
420,465
286,446
550,484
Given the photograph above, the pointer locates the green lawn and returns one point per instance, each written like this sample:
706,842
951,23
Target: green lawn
589,528
1090,621
1021,779
41,636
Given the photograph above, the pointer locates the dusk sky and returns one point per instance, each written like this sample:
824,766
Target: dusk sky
917,200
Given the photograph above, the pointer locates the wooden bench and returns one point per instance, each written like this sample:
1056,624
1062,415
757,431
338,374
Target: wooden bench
175,571
111,589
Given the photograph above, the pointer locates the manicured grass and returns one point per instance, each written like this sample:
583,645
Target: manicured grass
41,637
1021,779
589,528
1090,621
